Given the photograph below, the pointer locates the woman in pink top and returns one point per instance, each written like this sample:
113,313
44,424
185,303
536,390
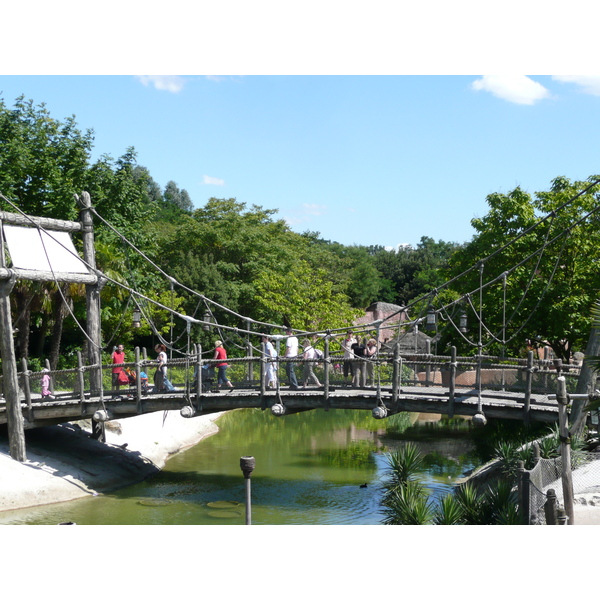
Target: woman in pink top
221,355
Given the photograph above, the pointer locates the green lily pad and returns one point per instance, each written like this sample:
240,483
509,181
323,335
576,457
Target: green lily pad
154,502
224,504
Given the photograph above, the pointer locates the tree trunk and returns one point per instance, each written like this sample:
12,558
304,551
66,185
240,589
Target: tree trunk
60,312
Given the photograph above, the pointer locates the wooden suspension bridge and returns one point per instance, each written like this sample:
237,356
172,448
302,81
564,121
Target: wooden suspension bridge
479,387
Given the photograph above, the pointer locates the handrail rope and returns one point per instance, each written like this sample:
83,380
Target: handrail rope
565,232
502,248
404,309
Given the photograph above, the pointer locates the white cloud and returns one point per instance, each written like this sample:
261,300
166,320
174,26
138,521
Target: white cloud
589,83
212,181
519,89
305,214
314,210
169,83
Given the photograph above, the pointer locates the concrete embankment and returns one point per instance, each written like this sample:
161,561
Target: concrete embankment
64,463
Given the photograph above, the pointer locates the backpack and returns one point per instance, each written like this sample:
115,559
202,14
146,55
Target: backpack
318,355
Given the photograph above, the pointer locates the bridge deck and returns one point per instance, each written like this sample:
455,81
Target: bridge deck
494,404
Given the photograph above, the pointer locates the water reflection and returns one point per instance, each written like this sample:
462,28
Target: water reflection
311,468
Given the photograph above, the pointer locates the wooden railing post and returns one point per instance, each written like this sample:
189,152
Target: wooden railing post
27,388
263,368
452,382
80,380
326,373
396,373
198,376
565,448
528,381
428,381
138,381
523,486
250,366
551,508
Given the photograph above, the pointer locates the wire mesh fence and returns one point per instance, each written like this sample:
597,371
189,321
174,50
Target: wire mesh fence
546,475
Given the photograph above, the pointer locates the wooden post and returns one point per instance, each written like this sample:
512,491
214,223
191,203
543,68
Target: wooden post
199,376
586,382
396,373
92,296
523,486
452,382
12,394
551,508
263,374
81,381
565,448
27,389
428,364
138,381
326,373
528,380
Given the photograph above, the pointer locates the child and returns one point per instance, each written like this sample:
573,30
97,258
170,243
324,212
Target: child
46,392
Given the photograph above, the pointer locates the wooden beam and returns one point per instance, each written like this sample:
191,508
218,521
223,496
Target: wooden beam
45,223
31,275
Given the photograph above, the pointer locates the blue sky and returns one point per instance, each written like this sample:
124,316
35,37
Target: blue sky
360,159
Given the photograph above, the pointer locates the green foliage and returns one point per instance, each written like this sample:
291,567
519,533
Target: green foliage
550,293
403,465
407,504
43,162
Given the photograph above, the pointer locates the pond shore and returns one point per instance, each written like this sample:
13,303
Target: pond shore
64,463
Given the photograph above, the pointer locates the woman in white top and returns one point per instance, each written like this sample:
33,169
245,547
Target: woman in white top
271,354
161,368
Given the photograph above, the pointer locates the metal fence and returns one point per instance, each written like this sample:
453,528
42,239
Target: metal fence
542,489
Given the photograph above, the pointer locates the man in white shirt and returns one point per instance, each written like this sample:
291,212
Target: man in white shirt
291,351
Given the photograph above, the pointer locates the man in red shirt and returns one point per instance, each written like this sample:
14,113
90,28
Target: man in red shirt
118,358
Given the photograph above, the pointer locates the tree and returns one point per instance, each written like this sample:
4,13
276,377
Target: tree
549,247
302,298
179,198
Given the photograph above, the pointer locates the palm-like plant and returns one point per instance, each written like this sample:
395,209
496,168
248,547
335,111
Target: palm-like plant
449,511
403,465
407,504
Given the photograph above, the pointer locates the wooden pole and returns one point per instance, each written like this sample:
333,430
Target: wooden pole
326,374
92,297
14,415
586,382
452,383
565,448
528,380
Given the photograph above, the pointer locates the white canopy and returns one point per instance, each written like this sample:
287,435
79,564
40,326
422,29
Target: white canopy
34,249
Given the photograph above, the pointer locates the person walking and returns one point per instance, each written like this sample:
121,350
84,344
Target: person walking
221,356
348,355
309,355
271,370
161,368
291,351
370,352
118,358
358,349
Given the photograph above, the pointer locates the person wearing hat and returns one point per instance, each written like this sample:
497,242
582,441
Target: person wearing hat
221,356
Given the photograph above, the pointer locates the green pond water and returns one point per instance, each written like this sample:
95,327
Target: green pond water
311,468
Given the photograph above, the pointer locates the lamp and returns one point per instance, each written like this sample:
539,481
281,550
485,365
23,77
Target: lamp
462,324
430,323
209,319
137,317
